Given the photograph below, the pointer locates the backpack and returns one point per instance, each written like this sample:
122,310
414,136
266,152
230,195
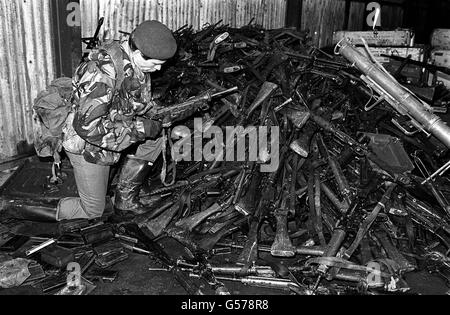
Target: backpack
53,105
51,108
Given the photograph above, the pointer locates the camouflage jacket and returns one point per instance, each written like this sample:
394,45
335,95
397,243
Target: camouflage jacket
106,120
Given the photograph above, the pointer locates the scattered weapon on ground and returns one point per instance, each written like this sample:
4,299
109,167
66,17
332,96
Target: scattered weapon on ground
357,188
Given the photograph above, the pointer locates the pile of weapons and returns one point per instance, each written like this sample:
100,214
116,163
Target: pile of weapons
355,203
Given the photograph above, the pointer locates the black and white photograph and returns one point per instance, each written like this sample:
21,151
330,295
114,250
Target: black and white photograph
230,154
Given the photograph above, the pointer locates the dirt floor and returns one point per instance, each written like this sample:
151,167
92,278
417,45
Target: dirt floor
137,275
142,275
136,279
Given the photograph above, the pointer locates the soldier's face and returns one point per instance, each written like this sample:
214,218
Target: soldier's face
147,65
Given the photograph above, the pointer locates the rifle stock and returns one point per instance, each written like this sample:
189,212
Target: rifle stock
247,202
192,222
249,254
267,90
157,226
301,146
282,246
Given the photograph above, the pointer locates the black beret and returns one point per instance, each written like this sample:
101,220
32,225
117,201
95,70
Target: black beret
154,40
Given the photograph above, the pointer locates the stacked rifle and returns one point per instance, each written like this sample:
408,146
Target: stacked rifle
360,196
357,201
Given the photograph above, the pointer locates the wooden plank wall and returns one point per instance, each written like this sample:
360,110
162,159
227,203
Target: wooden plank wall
323,17
357,17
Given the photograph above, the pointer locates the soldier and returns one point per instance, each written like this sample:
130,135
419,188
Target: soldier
112,92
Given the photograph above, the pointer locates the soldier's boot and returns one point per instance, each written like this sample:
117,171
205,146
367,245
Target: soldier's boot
131,178
30,212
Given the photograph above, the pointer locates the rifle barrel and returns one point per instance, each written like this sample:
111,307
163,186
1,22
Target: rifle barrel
234,89
320,60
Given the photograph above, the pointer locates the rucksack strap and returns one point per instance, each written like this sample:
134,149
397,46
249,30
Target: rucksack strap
115,52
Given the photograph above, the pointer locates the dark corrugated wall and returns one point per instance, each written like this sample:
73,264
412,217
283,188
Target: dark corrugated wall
121,15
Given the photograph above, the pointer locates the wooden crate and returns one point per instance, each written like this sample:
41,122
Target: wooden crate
440,58
439,77
440,39
398,38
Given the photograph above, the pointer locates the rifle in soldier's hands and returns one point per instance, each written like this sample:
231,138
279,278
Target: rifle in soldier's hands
168,115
